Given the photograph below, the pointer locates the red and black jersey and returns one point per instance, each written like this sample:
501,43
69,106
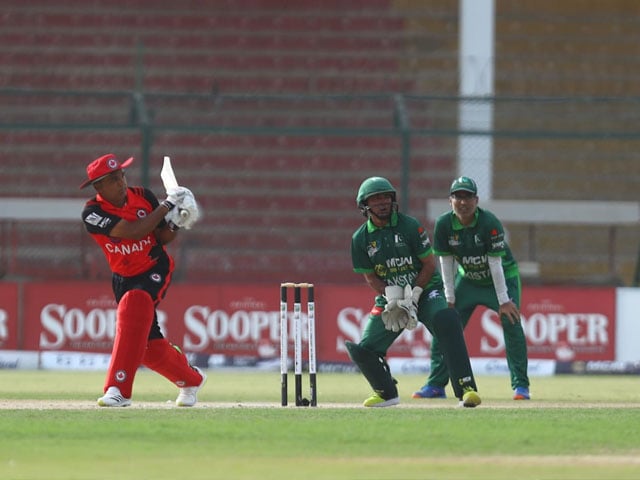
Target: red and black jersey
126,257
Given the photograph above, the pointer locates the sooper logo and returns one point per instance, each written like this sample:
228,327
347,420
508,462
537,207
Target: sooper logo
4,329
567,333
564,352
205,326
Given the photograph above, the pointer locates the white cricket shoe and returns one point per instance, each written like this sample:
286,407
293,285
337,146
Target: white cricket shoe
188,395
113,398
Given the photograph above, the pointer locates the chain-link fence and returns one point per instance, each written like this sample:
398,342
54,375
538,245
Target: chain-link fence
277,175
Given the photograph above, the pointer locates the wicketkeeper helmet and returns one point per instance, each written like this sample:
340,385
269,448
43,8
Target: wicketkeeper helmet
373,186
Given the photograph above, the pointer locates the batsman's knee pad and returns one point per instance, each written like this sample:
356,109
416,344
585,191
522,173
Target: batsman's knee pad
136,310
374,368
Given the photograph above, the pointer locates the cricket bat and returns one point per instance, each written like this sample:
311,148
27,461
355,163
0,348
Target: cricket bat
169,180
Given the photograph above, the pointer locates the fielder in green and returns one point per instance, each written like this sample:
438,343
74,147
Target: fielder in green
487,274
393,252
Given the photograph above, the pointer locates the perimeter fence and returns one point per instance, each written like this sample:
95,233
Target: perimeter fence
277,176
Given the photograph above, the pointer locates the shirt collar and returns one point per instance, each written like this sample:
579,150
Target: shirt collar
455,222
371,227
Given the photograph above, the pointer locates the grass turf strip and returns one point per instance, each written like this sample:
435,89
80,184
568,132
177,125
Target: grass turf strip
553,437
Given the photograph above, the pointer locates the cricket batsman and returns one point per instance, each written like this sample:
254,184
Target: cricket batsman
132,227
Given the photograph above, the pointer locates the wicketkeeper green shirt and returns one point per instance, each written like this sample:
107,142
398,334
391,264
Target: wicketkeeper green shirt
393,252
471,246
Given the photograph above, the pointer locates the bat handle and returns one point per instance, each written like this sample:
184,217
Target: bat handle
184,213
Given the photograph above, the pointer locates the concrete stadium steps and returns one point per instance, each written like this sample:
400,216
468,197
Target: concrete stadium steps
245,142
529,168
218,265
553,118
554,247
379,46
555,48
296,191
283,240
189,51
281,219
247,165
292,188
287,196
336,113
44,250
24,107
51,162
45,264
279,111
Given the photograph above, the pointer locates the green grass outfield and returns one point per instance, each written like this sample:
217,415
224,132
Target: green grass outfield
575,427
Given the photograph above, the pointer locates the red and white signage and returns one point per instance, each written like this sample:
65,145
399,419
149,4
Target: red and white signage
8,316
77,317
243,320
564,324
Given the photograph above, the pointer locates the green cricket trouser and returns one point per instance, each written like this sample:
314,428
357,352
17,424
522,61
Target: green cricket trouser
378,339
468,297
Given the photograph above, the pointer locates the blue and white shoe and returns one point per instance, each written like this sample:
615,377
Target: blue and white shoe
429,391
521,393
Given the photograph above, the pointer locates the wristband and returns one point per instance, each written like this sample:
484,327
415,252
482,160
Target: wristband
168,205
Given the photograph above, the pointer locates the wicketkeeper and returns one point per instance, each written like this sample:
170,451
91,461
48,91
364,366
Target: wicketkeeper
132,227
393,252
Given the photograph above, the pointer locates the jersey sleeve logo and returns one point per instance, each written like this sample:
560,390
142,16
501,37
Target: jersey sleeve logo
424,237
97,220
497,240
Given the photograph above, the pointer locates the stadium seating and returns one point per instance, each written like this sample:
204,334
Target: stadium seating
277,175
274,205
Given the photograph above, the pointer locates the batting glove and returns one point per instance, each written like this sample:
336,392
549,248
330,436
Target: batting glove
175,196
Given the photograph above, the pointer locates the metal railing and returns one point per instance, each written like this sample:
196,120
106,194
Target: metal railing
544,148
